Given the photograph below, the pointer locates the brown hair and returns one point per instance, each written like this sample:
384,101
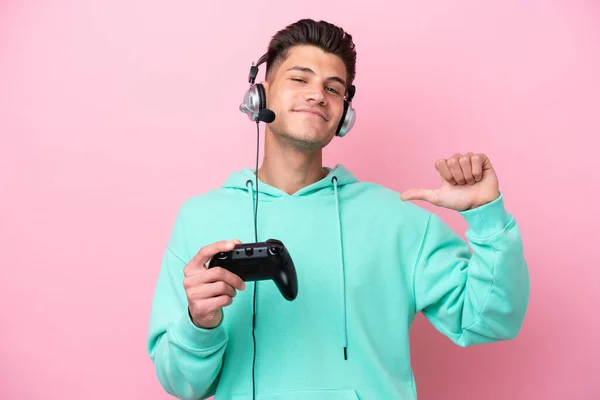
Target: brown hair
328,37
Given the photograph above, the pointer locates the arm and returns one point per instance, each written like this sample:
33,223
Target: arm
473,298
187,359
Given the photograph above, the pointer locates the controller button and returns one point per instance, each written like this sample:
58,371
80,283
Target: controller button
274,249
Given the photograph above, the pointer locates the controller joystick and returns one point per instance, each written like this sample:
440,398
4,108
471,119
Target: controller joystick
267,260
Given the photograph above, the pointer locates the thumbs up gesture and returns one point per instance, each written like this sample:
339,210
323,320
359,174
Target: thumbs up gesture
468,181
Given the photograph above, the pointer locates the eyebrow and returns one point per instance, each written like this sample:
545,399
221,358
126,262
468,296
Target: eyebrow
310,71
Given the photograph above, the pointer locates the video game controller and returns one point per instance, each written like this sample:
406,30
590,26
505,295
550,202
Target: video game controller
268,260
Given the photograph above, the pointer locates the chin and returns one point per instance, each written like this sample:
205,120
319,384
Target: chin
306,138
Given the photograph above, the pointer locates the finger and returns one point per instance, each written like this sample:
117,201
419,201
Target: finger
235,242
466,168
477,162
210,277
219,274
444,171
455,169
214,289
420,194
206,252
219,302
208,306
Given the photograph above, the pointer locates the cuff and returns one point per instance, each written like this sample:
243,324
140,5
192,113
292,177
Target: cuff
196,338
487,220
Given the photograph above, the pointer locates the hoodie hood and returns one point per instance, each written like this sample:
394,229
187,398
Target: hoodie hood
337,177
241,179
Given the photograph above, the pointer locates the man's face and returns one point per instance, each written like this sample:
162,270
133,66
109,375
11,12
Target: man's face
306,92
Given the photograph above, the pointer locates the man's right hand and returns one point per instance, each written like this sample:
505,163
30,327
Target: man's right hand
209,290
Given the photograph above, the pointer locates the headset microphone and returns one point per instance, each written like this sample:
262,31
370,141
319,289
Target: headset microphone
266,115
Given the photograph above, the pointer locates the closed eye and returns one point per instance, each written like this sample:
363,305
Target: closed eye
329,88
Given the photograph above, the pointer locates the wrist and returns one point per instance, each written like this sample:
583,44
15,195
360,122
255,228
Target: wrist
201,325
487,220
196,338
486,200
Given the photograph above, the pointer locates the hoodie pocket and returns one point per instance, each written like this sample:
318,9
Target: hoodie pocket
314,394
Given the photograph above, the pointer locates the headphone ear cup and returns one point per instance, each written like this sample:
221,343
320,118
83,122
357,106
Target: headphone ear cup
347,120
339,132
262,96
254,101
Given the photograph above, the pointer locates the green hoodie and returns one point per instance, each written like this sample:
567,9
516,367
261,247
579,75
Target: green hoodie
366,261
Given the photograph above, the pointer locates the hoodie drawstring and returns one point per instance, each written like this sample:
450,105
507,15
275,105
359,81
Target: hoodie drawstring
334,180
250,185
342,271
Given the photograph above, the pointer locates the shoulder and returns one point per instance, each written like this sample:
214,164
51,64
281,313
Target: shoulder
205,203
383,200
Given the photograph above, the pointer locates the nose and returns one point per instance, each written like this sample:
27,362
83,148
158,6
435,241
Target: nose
316,94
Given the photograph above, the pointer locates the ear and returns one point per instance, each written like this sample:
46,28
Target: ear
265,84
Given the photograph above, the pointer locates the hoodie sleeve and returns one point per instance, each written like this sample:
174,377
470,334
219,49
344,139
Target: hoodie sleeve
187,359
473,297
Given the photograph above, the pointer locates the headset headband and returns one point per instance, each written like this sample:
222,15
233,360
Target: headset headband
254,68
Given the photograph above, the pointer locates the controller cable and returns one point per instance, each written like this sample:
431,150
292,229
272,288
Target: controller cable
255,241
267,116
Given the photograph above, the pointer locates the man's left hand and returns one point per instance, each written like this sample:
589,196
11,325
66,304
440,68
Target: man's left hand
468,181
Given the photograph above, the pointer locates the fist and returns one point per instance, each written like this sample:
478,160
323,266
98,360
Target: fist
467,181
209,290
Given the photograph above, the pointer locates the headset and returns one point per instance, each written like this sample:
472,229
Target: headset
255,103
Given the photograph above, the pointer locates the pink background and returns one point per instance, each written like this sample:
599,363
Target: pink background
114,112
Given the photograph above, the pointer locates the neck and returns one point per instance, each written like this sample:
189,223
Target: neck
288,168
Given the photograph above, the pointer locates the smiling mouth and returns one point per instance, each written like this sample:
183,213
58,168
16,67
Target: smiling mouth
314,113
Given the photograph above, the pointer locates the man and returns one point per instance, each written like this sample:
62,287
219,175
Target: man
367,259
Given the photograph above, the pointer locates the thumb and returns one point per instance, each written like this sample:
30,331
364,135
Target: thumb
419,194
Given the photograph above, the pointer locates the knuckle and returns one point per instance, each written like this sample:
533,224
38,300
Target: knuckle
204,251
187,284
222,287
193,308
198,306
212,273
226,301
199,311
192,299
221,273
